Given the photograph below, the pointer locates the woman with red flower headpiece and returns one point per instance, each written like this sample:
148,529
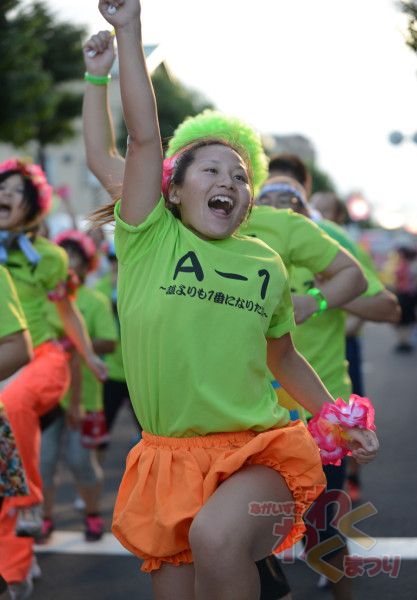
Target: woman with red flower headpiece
80,423
39,270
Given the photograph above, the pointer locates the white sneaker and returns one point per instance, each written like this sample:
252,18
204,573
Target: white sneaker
35,570
29,521
21,590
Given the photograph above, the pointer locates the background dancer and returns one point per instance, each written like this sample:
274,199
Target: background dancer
88,410
39,271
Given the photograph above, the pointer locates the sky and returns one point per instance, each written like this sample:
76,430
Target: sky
338,72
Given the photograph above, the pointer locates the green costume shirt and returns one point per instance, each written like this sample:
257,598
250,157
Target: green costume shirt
194,319
306,250
12,318
98,318
114,361
337,233
34,282
295,238
321,339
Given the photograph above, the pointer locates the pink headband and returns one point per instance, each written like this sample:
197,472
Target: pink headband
167,170
36,176
85,242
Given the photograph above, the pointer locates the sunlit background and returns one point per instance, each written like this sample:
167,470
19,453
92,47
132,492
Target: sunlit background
336,72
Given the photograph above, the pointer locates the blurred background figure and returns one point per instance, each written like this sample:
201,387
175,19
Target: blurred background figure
405,288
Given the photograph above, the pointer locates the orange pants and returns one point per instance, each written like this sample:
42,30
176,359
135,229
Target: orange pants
34,392
168,480
16,553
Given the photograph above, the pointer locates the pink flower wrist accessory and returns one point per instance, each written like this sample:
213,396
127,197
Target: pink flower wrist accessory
328,426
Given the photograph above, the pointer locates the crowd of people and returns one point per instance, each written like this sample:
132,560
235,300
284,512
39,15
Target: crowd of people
228,318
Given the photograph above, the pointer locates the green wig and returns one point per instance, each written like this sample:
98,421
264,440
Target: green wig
211,124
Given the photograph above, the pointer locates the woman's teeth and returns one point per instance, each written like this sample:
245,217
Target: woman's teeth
221,203
4,210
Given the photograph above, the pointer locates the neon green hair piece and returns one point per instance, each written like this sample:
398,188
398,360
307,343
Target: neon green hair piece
237,133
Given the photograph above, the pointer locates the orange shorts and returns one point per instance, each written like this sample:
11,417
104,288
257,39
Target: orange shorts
168,480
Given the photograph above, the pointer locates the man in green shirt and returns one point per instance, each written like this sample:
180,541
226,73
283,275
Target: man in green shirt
321,340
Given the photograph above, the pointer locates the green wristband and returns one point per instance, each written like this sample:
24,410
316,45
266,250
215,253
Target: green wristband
322,304
97,79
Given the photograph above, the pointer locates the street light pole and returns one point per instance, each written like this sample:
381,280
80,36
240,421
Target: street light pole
397,137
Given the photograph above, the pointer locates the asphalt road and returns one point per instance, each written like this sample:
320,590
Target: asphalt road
103,571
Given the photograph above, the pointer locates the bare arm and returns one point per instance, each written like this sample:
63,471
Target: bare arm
15,352
103,158
73,413
143,168
342,281
295,374
300,380
383,307
75,329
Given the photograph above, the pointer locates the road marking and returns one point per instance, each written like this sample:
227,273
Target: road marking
73,542
405,548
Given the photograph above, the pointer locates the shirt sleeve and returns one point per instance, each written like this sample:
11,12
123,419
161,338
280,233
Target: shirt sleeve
282,320
375,285
12,317
53,267
337,234
132,242
310,246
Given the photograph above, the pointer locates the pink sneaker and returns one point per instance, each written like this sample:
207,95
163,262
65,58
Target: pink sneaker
94,528
46,532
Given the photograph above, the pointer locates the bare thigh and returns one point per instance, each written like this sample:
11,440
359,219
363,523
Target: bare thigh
228,523
172,582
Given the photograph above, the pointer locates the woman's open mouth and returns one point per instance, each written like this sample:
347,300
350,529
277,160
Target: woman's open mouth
5,211
221,206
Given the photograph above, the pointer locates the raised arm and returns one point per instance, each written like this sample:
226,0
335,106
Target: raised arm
103,158
143,167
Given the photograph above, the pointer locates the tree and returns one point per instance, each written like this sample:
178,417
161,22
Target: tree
25,86
175,102
37,55
409,7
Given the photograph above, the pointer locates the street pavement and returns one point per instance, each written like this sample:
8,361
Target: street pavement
104,571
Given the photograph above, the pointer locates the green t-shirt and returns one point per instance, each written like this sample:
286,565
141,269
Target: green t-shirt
98,318
194,318
295,238
12,318
321,339
114,361
337,233
33,283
